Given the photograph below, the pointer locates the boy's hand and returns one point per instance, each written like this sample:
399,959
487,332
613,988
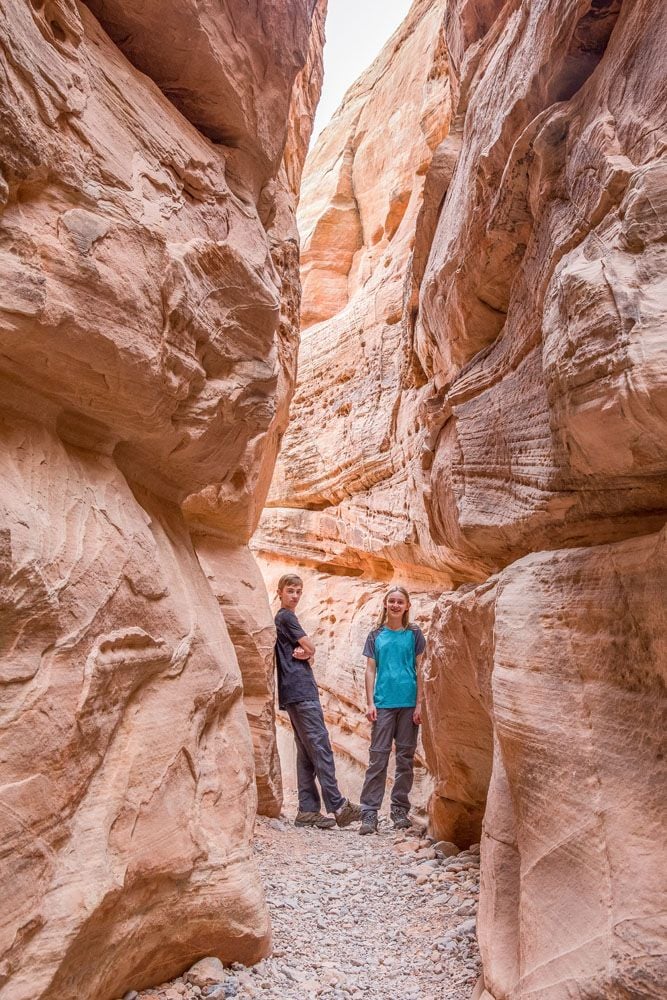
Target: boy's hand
417,715
299,653
372,713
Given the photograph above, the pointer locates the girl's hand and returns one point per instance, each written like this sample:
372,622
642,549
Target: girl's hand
372,713
417,715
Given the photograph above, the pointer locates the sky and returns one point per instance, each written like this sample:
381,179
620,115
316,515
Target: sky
356,30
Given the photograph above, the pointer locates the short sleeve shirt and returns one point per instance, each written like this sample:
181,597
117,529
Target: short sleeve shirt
295,677
395,652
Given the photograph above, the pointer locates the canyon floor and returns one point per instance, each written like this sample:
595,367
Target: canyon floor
375,917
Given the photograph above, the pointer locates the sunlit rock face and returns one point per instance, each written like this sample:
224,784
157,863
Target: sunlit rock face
541,329
148,327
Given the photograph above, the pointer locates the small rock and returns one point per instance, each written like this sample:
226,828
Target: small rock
222,991
466,909
426,853
445,849
206,972
131,995
467,928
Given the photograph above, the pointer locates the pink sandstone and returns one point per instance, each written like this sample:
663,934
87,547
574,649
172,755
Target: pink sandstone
148,327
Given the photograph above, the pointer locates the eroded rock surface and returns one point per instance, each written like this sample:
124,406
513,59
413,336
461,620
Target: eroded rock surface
147,329
538,325
482,401
542,304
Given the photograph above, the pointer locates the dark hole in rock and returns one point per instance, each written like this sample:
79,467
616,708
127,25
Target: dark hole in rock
58,33
589,42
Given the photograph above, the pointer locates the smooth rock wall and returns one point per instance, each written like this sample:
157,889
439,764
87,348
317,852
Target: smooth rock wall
148,329
541,325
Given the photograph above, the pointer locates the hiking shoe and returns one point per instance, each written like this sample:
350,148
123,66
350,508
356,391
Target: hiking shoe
348,813
399,818
314,819
369,823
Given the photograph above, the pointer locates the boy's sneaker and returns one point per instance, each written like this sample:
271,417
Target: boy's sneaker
315,819
369,823
399,818
348,813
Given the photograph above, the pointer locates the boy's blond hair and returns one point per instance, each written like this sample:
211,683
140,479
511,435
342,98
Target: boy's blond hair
288,579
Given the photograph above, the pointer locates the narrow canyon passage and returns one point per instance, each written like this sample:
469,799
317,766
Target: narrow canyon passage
469,267
374,918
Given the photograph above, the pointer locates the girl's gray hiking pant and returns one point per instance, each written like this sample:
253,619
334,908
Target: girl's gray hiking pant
392,725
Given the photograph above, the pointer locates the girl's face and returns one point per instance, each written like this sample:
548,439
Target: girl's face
396,604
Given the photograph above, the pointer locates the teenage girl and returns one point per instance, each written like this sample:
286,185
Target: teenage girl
393,651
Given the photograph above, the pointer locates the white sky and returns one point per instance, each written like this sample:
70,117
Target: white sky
356,30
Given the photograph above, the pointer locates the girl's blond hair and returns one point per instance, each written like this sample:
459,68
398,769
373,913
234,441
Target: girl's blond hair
405,621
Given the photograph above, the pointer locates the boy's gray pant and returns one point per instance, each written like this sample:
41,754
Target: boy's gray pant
314,758
393,724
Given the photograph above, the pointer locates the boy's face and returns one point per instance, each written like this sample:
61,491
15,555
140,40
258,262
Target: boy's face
290,595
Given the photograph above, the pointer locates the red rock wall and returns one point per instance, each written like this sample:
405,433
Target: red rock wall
144,298
538,323
481,400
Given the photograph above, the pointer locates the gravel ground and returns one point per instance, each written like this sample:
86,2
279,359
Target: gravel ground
384,917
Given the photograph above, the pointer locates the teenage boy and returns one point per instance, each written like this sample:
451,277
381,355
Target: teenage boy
298,695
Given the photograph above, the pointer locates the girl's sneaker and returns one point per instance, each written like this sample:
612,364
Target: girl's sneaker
399,818
369,823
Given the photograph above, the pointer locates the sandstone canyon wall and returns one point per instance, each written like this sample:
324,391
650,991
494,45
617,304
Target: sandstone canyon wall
148,327
482,405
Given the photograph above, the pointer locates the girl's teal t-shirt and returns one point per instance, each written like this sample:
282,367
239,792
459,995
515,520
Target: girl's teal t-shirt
395,652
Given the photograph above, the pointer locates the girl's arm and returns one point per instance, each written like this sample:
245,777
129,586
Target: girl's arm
369,678
417,714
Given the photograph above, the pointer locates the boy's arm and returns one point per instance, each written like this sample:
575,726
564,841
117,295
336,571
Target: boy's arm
417,714
305,648
369,679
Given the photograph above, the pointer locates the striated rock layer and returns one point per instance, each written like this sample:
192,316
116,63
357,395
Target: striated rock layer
483,400
541,326
148,326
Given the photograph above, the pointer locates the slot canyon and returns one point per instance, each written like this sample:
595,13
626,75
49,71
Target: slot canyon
431,351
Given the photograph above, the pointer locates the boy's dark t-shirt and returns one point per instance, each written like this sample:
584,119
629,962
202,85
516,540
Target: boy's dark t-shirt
295,677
